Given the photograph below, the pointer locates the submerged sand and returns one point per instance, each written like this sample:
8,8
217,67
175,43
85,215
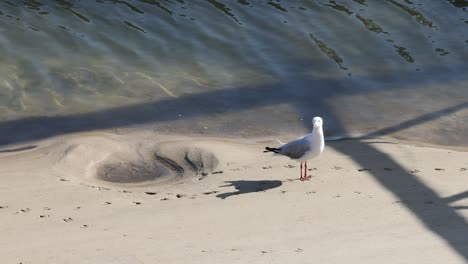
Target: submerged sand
145,198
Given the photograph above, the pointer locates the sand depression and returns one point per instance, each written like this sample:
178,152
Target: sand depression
116,161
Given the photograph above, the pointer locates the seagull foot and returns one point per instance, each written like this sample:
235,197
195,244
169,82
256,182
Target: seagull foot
305,178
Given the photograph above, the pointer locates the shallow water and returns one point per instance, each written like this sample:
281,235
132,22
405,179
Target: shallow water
241,68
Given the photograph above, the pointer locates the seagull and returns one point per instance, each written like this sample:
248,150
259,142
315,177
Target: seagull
304,148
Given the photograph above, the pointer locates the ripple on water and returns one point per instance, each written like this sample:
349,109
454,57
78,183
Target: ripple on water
82,60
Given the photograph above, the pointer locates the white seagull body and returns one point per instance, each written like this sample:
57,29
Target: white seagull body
304,148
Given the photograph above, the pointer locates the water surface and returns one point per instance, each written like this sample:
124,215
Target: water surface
241,68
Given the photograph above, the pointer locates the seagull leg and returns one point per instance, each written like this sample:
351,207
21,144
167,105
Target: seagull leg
301,174
306,178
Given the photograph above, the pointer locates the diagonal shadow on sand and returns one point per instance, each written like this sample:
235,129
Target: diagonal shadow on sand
442,219
456,197
243,187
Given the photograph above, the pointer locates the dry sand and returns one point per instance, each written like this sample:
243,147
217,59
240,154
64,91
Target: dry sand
142,198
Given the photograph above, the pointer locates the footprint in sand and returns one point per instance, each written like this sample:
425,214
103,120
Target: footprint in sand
312,169
414,171
364,169
211,192
180,195
69,219
27,210
164,199
439,169
107,203
290,180
151,193
217,172
267,168
462,169
3,206
337,168
289,166
98,188
44,216
137,203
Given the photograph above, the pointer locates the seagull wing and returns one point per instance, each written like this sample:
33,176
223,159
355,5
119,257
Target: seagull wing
295,149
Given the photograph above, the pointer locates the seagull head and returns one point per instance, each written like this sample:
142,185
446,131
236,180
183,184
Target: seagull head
317,122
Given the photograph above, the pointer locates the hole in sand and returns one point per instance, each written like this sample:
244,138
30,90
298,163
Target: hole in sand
166,163
131,172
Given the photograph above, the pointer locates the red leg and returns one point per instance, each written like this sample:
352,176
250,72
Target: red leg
306,177
301,174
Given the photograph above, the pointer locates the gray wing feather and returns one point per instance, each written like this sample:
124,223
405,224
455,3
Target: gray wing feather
295,149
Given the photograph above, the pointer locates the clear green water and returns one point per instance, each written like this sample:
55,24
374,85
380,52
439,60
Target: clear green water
241,68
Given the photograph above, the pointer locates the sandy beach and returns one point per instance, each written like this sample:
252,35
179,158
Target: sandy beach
145,198
134,132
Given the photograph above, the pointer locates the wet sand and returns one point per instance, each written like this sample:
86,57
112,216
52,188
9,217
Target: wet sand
223,200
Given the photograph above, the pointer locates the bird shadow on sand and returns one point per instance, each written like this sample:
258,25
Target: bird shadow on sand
243,187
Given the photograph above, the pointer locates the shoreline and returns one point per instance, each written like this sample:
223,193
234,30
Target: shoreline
271,139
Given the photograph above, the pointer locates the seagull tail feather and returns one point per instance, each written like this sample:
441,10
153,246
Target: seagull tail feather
268,149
